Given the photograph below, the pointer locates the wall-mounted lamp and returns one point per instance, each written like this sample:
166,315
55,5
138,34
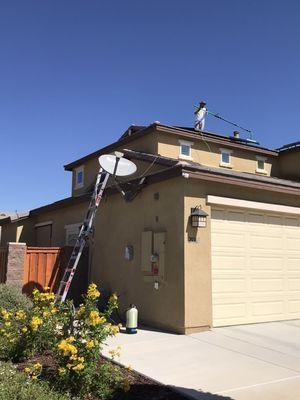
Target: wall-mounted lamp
198,217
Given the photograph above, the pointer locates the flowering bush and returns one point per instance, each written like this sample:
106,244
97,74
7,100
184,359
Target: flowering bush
78,353
16,385
75,340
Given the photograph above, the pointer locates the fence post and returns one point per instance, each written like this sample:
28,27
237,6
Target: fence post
15,263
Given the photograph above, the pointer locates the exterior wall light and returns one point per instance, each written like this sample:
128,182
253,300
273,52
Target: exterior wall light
198,217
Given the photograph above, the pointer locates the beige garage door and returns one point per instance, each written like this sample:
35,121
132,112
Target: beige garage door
255,267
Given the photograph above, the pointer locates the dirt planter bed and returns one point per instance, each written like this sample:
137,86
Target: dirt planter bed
141,387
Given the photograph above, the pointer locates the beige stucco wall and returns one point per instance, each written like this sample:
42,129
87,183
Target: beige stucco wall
62,217
21,232
197,255
119,224
289,164
209,154
147,143
24,230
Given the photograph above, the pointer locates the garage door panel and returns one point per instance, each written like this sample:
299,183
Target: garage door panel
267,308
255,267
228,263
273,242
267,284
294,308
229,285
266,262
224,240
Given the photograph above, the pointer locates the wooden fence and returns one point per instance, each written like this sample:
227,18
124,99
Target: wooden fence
44,266
3,261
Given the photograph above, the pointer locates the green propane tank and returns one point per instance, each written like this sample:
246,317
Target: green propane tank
131,319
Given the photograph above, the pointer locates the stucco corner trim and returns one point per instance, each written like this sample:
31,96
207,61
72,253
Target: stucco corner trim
254,205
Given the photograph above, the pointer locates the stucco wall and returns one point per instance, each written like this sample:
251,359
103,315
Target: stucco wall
197,255
20,231
209,154
60,218
119,224
147,143
289,164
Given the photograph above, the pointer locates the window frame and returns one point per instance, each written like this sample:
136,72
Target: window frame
71,229
229,153
261,170
189,145
79,185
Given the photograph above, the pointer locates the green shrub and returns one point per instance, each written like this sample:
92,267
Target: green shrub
74,340
12,298
15,385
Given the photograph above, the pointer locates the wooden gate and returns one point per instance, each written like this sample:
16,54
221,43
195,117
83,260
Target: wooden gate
3,264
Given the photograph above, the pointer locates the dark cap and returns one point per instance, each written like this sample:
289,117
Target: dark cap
202,102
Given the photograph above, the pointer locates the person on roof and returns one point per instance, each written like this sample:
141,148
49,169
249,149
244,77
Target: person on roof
200,114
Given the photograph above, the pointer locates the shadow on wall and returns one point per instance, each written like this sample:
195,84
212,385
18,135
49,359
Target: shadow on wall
29,286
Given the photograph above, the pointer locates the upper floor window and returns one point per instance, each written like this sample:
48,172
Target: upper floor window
185,149
225,160
261,164
79,177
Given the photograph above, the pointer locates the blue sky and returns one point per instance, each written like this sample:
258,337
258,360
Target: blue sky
74,74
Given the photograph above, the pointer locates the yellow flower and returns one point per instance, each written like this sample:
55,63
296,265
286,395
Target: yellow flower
20,315
90,344
95,319
33,377
35,323
67,349
7,323
24,329
46,313
70,339
27,370
92,292
37,366
78,367
62,371
5,314
126,385
69,366
114,329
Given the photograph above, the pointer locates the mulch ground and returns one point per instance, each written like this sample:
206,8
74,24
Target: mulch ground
141,388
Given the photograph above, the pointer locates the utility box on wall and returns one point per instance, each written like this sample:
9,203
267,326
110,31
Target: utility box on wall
153,253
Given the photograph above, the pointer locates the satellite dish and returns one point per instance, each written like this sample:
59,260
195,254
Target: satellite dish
124,167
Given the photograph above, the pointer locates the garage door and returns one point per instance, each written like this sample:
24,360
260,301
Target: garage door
255,266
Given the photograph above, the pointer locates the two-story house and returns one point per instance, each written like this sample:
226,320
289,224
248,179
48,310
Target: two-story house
240,265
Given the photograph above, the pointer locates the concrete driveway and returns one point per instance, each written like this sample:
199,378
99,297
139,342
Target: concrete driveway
260,361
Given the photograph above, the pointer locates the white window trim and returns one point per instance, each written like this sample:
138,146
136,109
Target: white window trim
261,171
43,224
81,184
253,205
225,151
185,143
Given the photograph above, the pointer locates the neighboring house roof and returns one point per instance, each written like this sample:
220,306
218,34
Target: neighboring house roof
133,132
289,147
13,215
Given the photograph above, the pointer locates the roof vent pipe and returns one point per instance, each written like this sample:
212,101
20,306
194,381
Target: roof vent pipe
236,134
